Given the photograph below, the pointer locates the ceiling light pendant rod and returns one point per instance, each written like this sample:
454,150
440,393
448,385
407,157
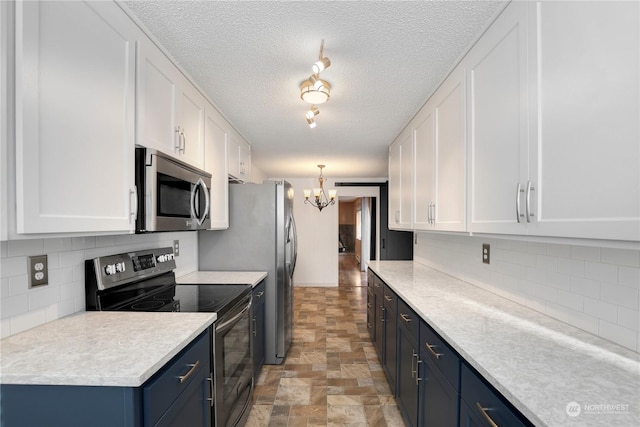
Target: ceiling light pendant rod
320,199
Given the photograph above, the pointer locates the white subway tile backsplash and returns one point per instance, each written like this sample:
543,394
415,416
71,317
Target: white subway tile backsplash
42,297
602,272
629,318
25,247
18,285
57,245
620,295
570,300
13,266
625,257
586,287
13,306
593,288
618,334
28,320
587,253
629,276
22,308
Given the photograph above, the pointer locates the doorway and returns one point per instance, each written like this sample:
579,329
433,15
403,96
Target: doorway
355,239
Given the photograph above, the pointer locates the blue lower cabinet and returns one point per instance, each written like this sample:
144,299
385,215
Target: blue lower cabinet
408,382
177,395
482,405
439,401
258,328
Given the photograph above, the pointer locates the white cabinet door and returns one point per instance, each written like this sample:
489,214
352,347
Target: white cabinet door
170,110
75,80
497,123
401,182
588,133
424,133
191,111
215,162
239,159
157,99
448,209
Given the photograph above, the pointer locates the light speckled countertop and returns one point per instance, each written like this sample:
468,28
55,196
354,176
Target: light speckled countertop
100,348
252,278
539,364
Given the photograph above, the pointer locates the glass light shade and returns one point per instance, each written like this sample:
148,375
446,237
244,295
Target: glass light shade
316,192
332,194
307,193
309,94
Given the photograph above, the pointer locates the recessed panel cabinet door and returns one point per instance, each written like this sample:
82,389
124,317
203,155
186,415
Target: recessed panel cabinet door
75,71
497,123
425,174
215,162
588,134
191,119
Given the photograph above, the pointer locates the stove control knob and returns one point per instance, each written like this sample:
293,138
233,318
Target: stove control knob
161,258
110,269
120,267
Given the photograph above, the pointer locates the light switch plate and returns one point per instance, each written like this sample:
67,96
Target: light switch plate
38,271
176,247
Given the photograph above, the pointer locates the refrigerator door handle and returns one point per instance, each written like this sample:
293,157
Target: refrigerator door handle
292,224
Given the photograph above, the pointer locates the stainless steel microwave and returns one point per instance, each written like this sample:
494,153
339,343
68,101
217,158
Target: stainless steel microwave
172,195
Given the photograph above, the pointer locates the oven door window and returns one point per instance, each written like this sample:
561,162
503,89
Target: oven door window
174,197
236,355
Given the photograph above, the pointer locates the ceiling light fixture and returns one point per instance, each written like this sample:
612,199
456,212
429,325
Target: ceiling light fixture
320,199
314,90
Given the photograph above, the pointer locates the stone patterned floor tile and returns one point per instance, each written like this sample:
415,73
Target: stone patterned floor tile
332,375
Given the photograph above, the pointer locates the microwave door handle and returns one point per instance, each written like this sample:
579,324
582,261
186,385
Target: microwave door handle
207,201
195,213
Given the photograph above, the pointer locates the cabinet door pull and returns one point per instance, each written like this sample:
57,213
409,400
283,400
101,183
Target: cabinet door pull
414,356
194,367
211,390
527,206
133,201
430,347
178,139
518,191
486,416
183,147
254,325
418,379
405,317
382,310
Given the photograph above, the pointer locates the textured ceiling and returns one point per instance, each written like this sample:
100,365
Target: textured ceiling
250,57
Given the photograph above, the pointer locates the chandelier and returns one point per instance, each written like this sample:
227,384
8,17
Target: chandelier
314,90
320,199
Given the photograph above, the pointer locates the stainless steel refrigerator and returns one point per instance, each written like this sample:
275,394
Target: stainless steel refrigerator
261,237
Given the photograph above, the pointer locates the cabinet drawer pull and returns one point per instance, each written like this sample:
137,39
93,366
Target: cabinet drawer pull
260,294
430,347
405,317
369,305
194,367
486,416
388,298
377,285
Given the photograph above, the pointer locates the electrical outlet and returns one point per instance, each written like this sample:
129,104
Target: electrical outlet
176,247
486,253
38,271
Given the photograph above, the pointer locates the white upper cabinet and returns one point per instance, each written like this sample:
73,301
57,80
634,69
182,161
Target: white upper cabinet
498,124
401,182
215,162
586,130
170,110
239,160
75,81
440,158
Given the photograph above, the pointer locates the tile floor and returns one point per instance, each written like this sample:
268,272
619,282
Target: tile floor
331,376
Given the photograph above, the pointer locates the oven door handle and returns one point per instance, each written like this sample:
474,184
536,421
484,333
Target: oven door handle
227,324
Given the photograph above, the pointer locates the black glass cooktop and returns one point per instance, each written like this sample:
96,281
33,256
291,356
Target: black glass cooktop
210,298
